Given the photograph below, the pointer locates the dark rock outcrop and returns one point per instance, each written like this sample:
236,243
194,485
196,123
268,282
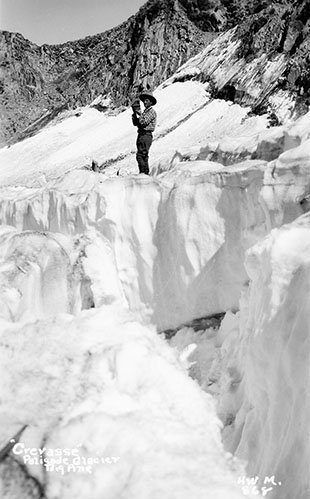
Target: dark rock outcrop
282,27
262,60
37,82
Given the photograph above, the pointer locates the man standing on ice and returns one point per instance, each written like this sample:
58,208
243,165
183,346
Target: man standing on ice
146,123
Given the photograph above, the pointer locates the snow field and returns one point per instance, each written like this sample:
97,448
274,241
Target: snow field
113,388
157,252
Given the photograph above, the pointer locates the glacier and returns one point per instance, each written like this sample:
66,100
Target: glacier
96,267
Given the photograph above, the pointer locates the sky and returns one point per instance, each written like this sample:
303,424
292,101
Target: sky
58,21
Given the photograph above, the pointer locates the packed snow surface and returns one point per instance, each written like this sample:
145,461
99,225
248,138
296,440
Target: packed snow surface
94,265
113,389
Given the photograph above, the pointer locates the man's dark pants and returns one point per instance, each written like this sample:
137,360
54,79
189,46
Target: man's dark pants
144,142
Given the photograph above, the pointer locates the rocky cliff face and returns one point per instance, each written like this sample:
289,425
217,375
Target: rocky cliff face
261,62
282,29
38,82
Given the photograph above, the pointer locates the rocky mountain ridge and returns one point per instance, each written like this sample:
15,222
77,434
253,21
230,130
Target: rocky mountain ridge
143,51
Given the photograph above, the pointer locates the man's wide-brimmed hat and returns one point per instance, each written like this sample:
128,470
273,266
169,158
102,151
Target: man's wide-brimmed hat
148,95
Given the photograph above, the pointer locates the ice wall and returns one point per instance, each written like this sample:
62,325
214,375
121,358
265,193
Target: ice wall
167,243
172,247
35,275
265,369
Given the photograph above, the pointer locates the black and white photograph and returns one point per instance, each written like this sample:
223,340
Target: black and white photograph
154,249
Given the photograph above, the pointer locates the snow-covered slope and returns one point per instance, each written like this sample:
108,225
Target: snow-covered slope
93,265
